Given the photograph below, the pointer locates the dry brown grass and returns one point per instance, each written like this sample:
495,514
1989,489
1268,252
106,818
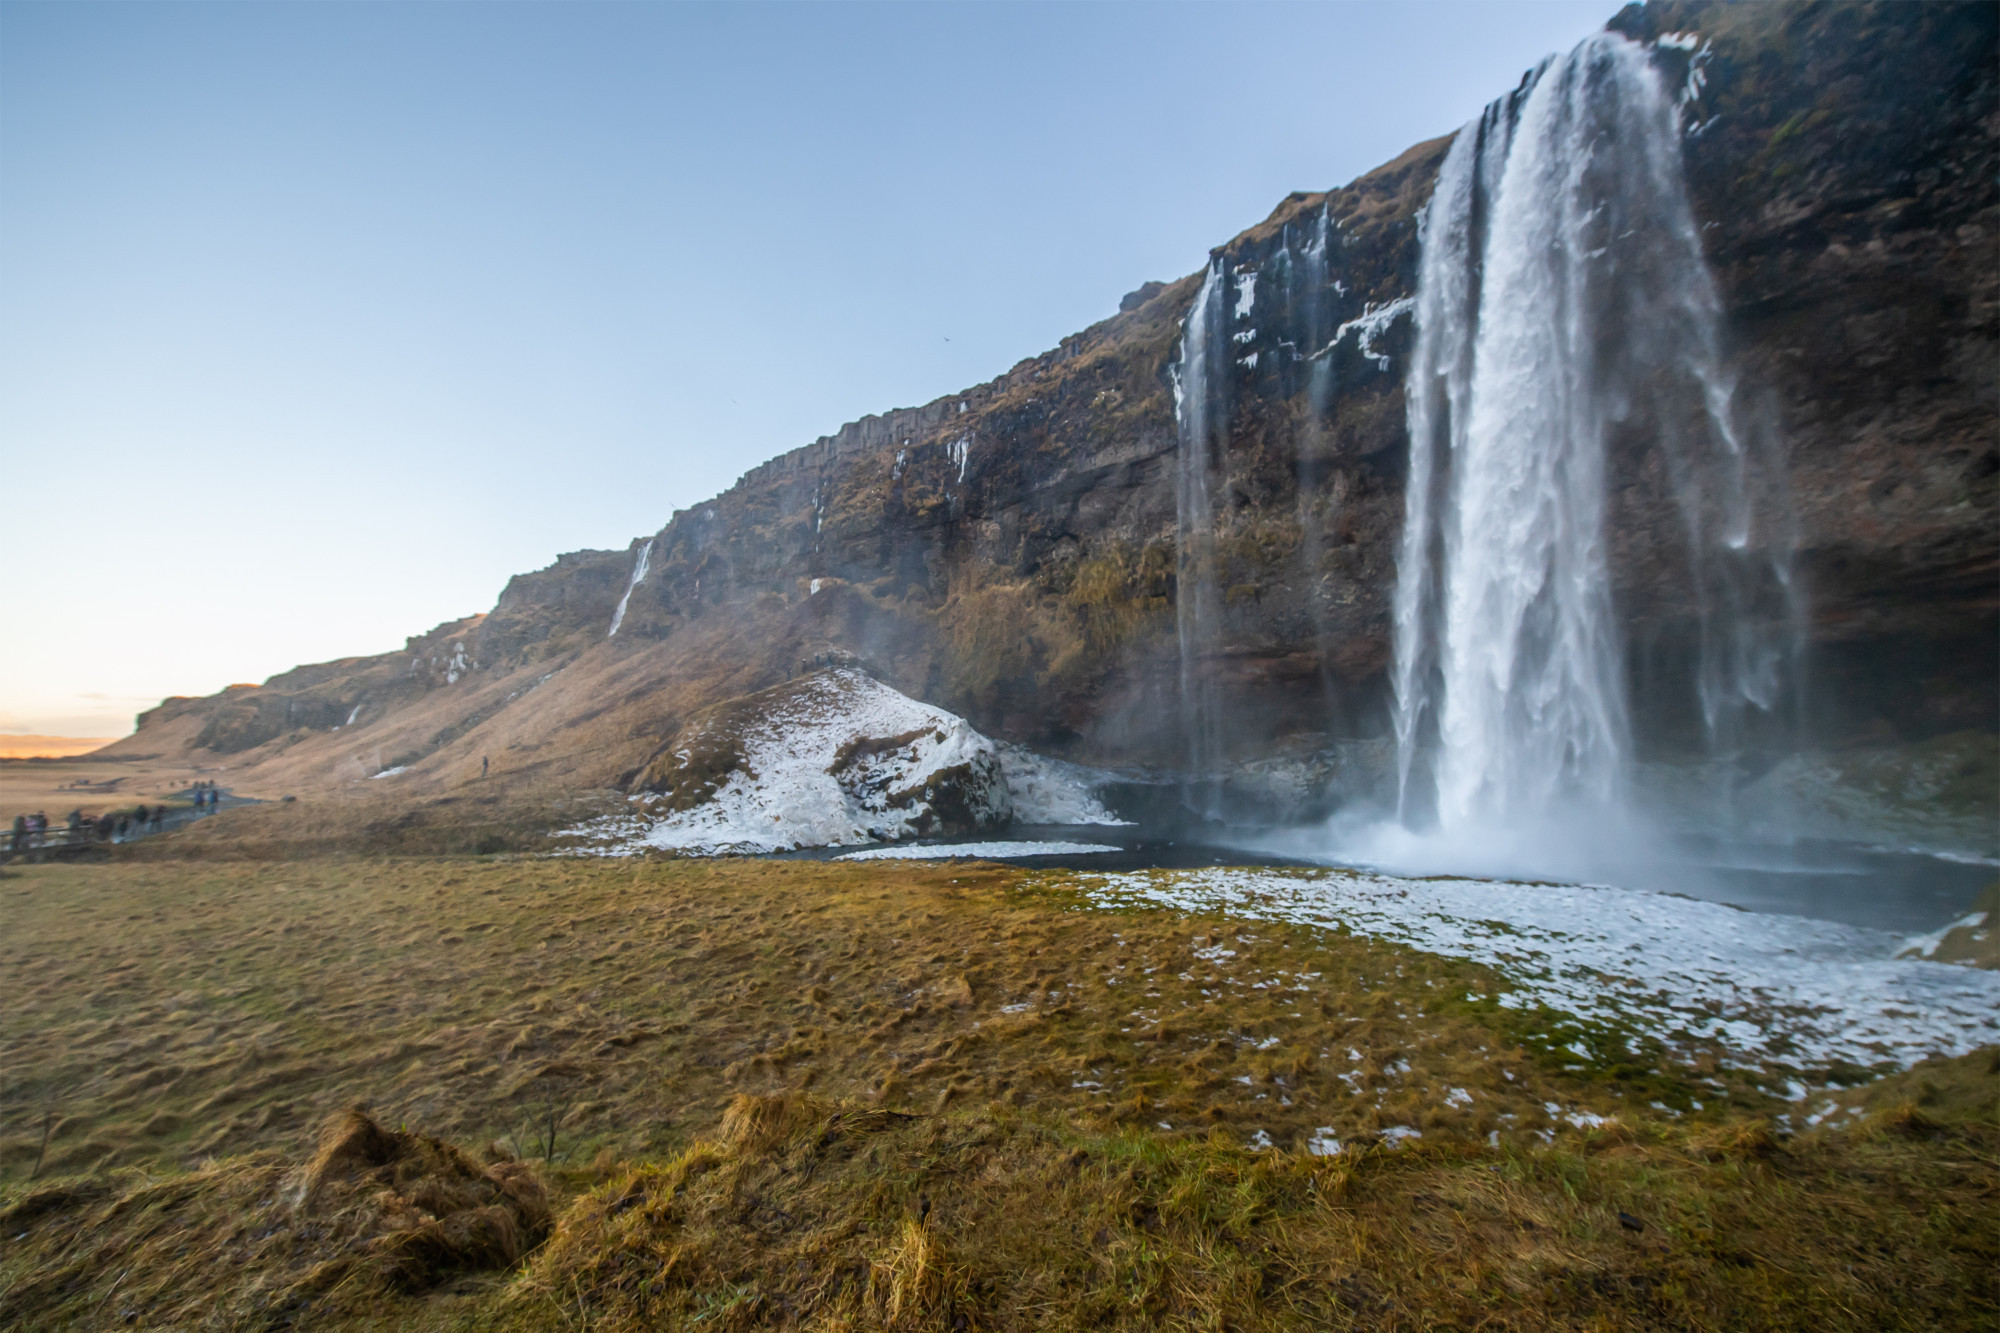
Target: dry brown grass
885,1095
480,821
993,1219
375,1212
169,1012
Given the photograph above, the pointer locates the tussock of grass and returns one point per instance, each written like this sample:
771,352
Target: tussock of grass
255,1241
444,1211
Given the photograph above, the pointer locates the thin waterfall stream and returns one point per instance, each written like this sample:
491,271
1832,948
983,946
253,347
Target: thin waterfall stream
639,567
1202,411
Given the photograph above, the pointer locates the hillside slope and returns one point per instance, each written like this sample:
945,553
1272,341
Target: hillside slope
1011,553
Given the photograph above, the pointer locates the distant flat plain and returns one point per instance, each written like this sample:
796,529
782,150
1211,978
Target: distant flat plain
78,782
50,747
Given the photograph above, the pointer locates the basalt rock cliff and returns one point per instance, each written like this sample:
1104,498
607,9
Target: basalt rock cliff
1015,553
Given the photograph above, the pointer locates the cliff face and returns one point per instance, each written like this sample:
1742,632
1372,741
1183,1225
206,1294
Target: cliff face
1017,552
1846,175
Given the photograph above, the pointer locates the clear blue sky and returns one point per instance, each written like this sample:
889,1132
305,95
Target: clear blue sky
319,321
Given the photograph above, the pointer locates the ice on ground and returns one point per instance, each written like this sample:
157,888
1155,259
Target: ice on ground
992,851
1787,991
839,759
1925,946
1050,791
1394,1135
1323,1143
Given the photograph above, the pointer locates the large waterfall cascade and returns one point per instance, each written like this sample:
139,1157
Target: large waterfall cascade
1563,297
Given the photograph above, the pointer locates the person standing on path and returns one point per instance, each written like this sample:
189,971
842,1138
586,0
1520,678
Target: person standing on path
482,766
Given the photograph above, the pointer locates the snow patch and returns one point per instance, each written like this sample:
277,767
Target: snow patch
391,772
1373,321
1925,946
986,850
1787,992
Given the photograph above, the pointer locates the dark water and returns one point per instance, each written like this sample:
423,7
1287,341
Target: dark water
1139,847
1905,892
1901,892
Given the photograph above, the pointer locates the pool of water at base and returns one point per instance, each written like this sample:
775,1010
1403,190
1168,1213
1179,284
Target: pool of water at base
1903,892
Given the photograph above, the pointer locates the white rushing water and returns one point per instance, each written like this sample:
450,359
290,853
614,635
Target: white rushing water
1562,296
1201,409
638,577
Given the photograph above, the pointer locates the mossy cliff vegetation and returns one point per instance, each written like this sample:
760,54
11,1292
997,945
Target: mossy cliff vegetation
1013,552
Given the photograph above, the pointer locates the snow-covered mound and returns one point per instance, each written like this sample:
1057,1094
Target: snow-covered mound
835,759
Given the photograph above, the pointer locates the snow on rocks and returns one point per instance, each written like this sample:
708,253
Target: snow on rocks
835,759
1784,991
1049,791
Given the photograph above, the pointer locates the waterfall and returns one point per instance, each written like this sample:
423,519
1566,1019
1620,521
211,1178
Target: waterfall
1564,301
1310,303
1201,411
638,577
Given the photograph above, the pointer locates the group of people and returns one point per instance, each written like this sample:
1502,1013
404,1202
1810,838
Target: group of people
32,830
28,829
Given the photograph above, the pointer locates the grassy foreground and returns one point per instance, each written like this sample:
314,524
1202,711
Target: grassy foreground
886,1096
